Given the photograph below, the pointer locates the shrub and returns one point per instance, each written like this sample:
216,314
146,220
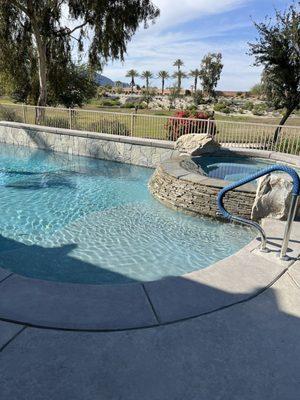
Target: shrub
192,108
110,103
113,127
185,122
198,97
222,107
8,114
128,105
226,110
259,109
248,105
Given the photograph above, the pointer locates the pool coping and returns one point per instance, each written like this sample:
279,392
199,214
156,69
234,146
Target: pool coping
82,307
166,144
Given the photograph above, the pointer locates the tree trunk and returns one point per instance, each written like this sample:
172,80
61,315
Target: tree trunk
163,87
42,101
132,85
42,71
196,84
281,123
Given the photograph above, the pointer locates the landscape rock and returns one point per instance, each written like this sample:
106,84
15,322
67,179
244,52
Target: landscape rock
196,144
273,197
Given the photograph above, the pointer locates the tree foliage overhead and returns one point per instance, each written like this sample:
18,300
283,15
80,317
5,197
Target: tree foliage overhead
210,72
38,35
278,50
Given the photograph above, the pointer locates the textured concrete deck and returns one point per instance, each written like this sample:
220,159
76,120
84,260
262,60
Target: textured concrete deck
45,304
249,350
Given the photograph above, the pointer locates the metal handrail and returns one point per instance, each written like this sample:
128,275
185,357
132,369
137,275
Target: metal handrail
292,211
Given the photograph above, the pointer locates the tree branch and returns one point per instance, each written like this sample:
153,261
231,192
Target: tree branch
78,27
69,32
20,7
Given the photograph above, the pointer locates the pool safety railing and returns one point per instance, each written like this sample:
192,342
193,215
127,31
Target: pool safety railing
292,210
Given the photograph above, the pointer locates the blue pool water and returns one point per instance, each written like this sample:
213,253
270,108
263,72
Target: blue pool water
231,169
76,219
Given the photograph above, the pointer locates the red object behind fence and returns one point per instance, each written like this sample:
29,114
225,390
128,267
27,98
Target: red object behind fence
185,122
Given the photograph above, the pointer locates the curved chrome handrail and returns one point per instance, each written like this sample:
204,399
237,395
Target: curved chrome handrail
292,211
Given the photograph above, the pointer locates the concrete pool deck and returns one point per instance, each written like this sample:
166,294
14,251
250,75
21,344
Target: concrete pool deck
66,306
247,350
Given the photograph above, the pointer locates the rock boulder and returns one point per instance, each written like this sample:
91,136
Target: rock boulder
196,144
273,197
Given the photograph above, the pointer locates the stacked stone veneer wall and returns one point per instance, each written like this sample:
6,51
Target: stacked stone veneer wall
136,151
193,193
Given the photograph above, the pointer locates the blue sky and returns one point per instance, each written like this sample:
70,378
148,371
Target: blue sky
188,29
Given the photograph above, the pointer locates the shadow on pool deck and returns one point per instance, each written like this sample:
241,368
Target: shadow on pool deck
43,263
249,352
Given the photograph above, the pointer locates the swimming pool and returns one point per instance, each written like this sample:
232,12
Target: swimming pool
76,219
231,168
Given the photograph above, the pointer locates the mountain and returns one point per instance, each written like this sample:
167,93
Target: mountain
102,80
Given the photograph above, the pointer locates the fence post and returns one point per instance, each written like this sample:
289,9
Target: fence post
208,126
70,118
132,125
24,113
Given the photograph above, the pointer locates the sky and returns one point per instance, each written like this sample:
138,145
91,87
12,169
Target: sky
189,29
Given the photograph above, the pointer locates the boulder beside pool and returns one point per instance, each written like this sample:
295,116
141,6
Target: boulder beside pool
196,144
273,197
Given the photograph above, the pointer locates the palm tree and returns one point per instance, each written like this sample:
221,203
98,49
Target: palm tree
178,63
147,75
179,75
163,75
132,73
195,74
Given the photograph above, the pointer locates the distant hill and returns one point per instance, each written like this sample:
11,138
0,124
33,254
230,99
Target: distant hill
102,80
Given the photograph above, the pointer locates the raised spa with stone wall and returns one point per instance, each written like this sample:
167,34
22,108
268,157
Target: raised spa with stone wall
180,184
192,192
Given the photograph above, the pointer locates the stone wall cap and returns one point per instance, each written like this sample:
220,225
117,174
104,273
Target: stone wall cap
94,135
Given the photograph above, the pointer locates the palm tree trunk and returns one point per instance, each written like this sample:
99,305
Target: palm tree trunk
281,123
196,83
132,84
163,87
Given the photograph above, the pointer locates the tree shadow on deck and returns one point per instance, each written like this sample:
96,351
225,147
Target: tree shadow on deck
249,352
53,263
